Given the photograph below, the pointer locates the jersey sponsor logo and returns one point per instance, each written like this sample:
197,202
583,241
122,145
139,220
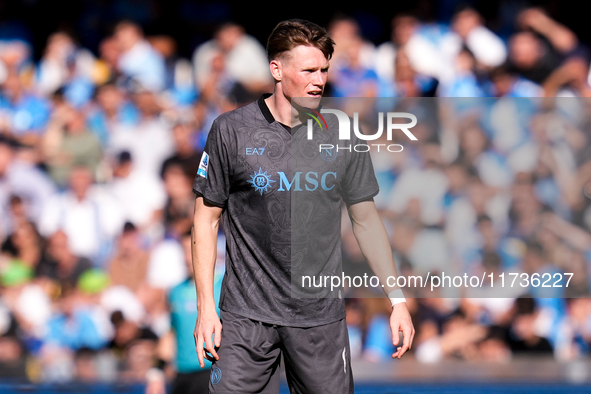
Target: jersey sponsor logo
261,181
216,375
254,151
312,181
202,170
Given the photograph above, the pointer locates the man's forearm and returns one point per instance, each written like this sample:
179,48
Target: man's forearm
204,253
374,243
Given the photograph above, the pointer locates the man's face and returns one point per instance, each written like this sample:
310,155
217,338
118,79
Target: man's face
126,36
6,154
304,71
525,50
403,28
80,180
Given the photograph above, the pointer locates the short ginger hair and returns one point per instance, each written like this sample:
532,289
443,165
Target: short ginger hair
291,33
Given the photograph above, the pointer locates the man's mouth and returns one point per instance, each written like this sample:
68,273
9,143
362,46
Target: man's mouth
315,93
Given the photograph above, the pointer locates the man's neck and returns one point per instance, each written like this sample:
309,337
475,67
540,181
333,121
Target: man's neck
280,108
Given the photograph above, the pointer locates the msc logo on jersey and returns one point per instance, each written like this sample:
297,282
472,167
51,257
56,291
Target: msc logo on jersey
261,181
312,180
202,170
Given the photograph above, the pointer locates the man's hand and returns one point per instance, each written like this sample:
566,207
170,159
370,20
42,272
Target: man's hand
208,325
400,321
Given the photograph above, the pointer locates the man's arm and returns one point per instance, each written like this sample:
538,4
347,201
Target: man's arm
204,252
375,246
560,36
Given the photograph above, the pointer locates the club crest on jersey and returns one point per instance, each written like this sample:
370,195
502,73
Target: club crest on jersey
216,375
328,153
203,164
261,181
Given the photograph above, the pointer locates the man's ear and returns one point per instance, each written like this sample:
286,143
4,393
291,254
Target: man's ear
276,69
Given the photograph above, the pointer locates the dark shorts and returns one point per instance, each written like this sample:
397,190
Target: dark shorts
191,383
317,359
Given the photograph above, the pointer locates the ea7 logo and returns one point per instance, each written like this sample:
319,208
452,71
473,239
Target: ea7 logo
345,125
254,151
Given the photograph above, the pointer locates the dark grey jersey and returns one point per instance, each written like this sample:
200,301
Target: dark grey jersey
282,198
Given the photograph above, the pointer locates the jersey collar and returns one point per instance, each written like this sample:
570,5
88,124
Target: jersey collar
265,109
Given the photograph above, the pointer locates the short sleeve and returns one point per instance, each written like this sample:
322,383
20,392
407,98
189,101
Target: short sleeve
360,183
212,181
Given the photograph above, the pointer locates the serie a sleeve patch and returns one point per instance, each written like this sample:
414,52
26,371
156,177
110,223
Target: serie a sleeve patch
202,170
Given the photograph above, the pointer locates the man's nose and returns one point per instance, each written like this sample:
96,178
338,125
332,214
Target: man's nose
319,78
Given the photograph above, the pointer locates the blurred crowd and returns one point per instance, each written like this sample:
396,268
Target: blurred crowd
98,152
468,199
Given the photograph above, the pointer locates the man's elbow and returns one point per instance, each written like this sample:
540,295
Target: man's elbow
363,213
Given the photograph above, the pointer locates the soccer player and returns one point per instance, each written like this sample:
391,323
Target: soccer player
280,205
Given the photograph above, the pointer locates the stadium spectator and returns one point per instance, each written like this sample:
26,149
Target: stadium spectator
178,71
65,65
27,301
505,82
60,264
90,218
523,336
129,265
166,269
149,140
143,210
23,113
244,58
22,179
353,75
25,243
488,49
542,45
178,210
67,143
138,60
111,111
134,348
574,338
189,378
12,357
185,154
402,28
107,65
78,323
